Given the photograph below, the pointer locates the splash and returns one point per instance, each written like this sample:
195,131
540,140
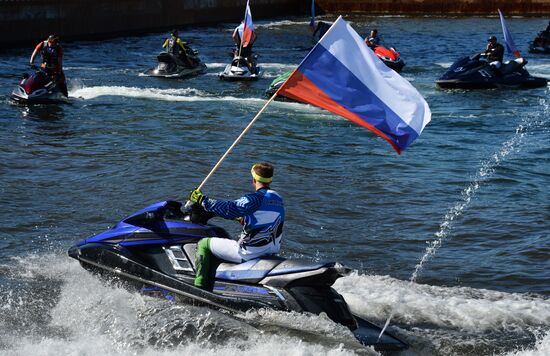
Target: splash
67,310
541,348
485,172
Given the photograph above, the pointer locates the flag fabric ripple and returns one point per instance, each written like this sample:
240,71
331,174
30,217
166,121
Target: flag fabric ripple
510,45
342,75
248,27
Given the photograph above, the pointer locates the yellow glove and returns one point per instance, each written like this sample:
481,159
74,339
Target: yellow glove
196,196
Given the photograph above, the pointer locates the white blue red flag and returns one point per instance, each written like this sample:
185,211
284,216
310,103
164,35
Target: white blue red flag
248,27
342,75
312,21
510,45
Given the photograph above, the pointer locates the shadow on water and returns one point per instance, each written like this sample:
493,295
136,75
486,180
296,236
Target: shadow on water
42,112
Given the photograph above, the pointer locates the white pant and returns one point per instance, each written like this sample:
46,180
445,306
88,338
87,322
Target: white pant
229,250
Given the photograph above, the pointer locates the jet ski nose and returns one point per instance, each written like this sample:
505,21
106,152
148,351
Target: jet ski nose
341,269
74,252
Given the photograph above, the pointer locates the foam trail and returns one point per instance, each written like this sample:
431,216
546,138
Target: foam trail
485,172
153,93
280,23
442,307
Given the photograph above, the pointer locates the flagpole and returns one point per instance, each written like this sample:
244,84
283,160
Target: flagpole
237,141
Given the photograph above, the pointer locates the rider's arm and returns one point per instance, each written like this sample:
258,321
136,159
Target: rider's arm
231,209
181,43
60,59
165,43
236,36
36,50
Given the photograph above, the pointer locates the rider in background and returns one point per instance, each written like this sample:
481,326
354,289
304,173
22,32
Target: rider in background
178,48
494,52
52,60
319,29
373,40
245,51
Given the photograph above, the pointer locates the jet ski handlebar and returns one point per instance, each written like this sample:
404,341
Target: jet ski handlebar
170,210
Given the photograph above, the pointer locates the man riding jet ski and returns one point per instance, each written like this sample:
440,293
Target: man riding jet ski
177,255
262,215
244,63
389,56
47,84
486,70
178,61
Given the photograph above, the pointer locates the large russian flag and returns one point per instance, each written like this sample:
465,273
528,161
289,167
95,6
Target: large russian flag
248,27
510,45
342,75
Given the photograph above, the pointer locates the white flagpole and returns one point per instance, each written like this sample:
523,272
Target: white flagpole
236,141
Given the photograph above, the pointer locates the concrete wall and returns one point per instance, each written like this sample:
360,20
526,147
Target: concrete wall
24,22
438,7
28,21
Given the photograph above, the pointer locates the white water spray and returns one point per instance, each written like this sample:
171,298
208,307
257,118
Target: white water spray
486,171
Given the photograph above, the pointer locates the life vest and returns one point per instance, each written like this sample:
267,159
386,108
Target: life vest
173,47
50,55
265,225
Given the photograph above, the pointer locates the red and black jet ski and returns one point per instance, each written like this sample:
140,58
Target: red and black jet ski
40,88
390,57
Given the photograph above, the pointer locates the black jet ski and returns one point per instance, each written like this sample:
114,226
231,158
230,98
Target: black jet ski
541,43
170,66
153,250
39,88
475,72
241,68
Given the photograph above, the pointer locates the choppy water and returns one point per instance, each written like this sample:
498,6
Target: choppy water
464,212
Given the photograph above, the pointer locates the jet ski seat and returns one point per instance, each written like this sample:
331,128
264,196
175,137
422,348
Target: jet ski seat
255,270
512,65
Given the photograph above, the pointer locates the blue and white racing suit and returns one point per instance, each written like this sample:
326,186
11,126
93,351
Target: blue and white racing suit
263,216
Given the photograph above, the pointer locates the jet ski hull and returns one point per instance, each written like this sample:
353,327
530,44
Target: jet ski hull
395,65
181,72
539,49
172,66
473,73
19,96
528,83
38,88
156,256
239,73
390,57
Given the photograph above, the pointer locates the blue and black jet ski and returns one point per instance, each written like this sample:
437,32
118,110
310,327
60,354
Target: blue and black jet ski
154,250
475,72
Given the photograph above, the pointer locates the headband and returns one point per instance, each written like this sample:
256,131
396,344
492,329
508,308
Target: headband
260,178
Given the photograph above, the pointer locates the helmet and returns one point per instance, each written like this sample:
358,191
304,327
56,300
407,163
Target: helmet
174,32
492,39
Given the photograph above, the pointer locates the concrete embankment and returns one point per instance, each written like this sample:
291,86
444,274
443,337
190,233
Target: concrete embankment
28,21
438,7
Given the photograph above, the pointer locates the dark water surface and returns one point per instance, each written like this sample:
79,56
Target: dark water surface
470,197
